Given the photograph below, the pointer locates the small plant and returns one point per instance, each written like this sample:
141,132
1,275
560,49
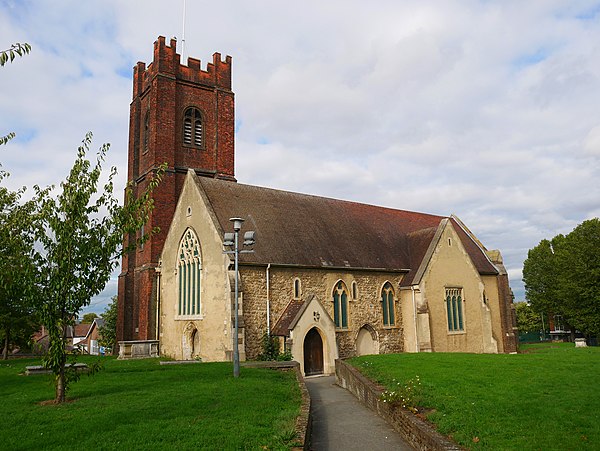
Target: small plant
407,395
271,350
285,356
270,347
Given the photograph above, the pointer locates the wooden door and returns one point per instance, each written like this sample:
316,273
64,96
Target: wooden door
313,353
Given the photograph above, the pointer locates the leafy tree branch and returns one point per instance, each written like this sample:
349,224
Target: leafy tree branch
11,53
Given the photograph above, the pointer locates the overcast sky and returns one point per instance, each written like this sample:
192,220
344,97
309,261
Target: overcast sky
487,110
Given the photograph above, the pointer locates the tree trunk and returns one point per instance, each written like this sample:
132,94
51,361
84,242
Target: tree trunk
6,341
60,386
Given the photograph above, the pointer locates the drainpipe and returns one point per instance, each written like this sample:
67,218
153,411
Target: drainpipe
268,300
412,287
157,269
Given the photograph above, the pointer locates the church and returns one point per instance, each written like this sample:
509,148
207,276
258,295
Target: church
331,278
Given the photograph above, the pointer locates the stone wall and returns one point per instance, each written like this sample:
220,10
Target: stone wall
365,309
418,433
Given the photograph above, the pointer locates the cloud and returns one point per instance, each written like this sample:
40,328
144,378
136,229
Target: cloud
483,109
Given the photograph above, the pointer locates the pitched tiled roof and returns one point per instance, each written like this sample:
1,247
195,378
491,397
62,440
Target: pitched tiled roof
81,330
300,229
282,326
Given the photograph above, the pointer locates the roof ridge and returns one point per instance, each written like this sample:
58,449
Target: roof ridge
318,196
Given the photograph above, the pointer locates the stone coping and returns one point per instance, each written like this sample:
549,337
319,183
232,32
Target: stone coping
418,433
274,364
130,342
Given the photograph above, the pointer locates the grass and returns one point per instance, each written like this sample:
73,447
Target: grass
139,404
547,398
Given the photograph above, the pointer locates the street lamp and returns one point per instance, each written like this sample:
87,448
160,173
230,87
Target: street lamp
232,239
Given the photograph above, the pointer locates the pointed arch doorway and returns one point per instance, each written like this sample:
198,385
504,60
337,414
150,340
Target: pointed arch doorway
313,353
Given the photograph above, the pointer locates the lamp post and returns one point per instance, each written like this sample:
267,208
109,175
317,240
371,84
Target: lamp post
232,240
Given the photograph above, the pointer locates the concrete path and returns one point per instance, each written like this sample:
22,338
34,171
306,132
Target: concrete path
341,422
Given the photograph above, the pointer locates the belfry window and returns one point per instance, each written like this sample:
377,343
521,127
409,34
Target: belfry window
387,305
192,128
454,309
340,305
188,274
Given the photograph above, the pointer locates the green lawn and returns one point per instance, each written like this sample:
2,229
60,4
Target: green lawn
139,404
546,398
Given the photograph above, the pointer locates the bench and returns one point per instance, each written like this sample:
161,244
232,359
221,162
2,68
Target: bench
40,369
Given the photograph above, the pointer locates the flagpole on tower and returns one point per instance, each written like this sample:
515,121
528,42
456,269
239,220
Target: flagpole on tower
183,36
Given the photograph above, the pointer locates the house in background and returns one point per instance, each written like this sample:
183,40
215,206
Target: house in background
332,278
80,331
90,341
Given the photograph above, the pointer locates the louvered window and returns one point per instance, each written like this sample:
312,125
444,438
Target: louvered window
192,128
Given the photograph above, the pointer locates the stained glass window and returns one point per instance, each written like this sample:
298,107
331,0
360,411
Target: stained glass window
454,309
387,305
340,305
189,274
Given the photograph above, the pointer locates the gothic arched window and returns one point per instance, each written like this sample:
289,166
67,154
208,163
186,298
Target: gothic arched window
192,128
387,304
340,305
189,267
297,289
454,309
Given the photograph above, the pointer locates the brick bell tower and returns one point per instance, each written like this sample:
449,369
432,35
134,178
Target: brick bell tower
184,116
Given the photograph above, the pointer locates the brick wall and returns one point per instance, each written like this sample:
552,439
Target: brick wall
162,92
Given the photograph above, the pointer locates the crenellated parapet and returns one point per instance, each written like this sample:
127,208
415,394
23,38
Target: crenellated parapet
168,62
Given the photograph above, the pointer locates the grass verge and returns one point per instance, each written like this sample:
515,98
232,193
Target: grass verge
139,404
547,398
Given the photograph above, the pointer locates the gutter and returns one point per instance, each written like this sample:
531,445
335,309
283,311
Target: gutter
340,268
268,276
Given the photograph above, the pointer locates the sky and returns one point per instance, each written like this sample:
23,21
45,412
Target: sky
488,110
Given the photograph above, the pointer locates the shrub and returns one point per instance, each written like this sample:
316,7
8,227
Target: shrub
271,350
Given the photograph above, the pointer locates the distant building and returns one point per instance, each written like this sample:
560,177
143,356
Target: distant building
332,278
89,343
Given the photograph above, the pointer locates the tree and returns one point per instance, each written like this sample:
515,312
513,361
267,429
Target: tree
108,332
562,277
580,284
83,236
18,222
9,55
89,318
541,271
528,320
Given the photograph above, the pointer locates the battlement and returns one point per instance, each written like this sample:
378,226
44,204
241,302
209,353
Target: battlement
167,62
